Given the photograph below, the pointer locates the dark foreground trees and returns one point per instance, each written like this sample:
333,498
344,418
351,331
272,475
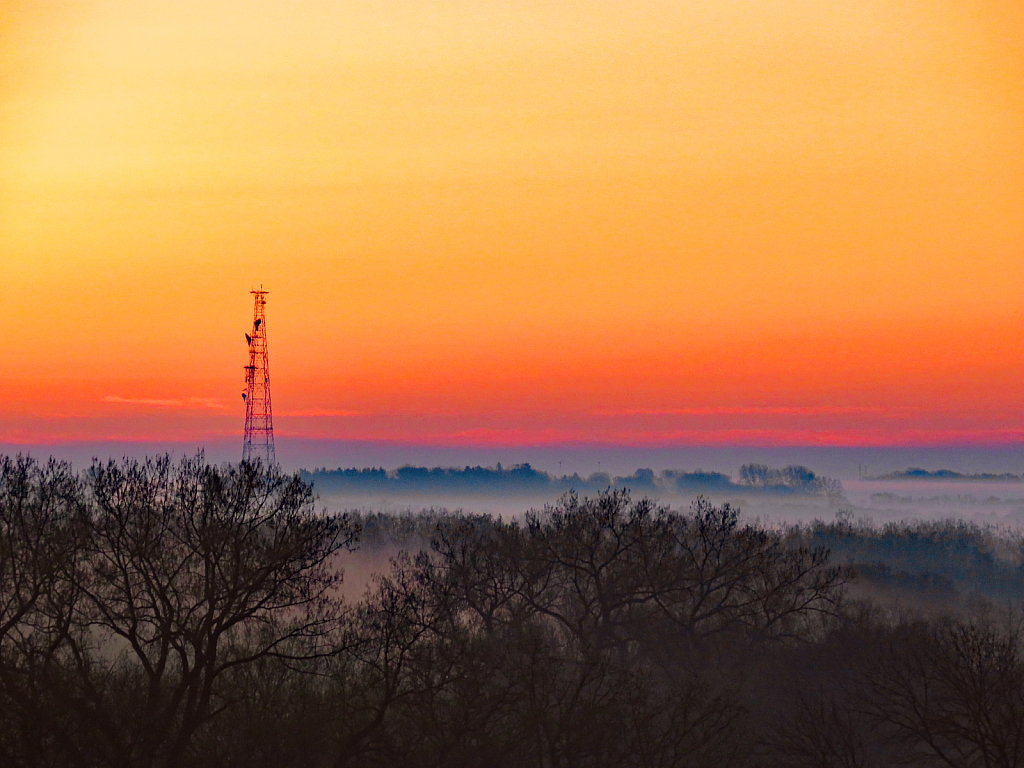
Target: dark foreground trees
159,614
611,575
163,580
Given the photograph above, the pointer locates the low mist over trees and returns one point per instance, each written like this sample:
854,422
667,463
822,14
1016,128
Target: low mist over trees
159,614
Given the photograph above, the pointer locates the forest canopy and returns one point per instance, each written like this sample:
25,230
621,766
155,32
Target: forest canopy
161,614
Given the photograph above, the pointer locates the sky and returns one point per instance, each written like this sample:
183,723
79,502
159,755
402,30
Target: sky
650,223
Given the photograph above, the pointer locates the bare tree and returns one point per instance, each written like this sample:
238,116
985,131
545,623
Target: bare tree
726,577
38,508
600,553
819,729
484,571
953,692
191,571
616,575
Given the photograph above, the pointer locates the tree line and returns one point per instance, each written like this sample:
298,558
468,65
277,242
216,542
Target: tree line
526,480
162,614
916,473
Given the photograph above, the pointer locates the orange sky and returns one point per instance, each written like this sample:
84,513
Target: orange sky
641,222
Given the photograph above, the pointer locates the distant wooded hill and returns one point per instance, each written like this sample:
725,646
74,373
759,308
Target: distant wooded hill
523,479
916,473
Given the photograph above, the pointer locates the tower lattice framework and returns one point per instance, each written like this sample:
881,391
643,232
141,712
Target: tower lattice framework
259,417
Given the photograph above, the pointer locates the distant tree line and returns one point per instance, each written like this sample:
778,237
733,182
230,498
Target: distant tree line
154,614
526,480
916,473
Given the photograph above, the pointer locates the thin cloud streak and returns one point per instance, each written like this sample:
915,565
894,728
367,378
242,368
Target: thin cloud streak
189,402
321,412
716,437
747,410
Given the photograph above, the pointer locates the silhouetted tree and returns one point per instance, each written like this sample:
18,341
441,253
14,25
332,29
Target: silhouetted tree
952,692
40,510
182,574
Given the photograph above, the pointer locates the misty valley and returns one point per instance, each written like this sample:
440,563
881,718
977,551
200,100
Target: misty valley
161,613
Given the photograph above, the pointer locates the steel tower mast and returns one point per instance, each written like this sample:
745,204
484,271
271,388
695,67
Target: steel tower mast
259,419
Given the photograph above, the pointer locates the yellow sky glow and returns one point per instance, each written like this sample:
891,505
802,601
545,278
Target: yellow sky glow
531,208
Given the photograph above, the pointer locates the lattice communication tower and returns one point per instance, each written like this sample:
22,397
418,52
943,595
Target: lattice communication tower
259,418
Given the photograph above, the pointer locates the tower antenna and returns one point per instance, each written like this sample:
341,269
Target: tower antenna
259,418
